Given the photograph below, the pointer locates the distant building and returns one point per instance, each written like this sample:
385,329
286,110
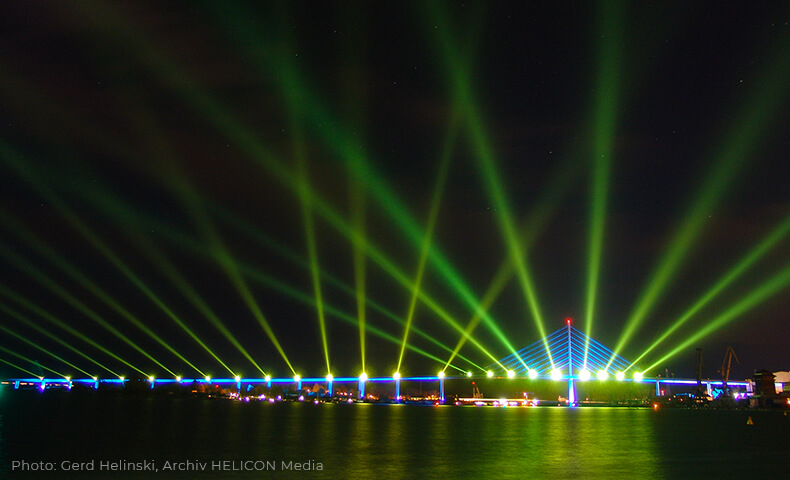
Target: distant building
782,382
765,395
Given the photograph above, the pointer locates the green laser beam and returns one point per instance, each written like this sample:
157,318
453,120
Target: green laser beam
559,184
759,108
355,98
189,292
461,91
114,208
42,349
770,241
49,252
212,111
604,125
310,237
17,355
234,130
30,323
358,218
18,367
296,91
175,180
433,214
288,290
754,298
89,235
59,291
28,305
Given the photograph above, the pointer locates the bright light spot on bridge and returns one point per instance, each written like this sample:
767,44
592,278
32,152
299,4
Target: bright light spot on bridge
329,377
208,378
620,376
151,379
237,378
489,374
511,374
533,374
297,378
178,379
584,375
638,376
396,375
556,374
68,379
95,379
468,374
268,378
119,378
602,375
363,377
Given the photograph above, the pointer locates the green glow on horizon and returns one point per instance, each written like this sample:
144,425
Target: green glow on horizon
753,299
743,138
605,110
34,325
747,261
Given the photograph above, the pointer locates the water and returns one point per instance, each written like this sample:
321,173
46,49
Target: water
387,441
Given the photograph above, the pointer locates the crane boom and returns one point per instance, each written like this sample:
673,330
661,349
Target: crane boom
726,364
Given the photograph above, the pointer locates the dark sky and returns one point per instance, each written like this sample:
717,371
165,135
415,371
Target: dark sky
136,129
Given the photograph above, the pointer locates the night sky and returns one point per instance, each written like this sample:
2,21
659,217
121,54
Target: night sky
152,133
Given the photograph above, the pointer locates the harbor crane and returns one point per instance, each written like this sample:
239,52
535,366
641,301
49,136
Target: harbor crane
729,354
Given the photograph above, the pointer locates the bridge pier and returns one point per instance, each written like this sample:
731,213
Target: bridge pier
330,389
571,393
361,389
571,389
441,389
397,390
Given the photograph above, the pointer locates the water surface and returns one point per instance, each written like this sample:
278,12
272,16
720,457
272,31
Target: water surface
388,441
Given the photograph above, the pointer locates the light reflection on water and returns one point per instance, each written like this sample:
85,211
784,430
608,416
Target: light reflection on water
396,441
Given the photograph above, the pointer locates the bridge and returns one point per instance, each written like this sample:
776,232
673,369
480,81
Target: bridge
566,355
